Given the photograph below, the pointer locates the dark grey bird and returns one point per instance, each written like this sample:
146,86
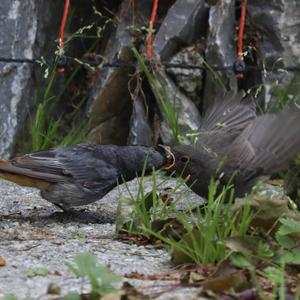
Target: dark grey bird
237,146
80,174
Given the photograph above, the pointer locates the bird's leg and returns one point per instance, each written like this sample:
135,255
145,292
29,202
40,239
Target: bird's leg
64,208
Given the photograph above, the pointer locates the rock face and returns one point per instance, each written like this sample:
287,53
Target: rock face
140,130
187,114
110,102
20,37
180,25
17,38
190,81
277,24
220,50
184,22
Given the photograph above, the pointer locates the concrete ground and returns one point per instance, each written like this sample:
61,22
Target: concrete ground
34,235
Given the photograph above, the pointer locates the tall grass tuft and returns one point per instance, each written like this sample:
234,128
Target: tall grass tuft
48,131
168,107
206,229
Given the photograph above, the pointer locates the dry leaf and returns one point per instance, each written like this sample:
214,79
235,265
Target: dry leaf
235,280
2,261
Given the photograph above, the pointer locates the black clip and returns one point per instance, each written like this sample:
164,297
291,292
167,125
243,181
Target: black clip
239,68
61,63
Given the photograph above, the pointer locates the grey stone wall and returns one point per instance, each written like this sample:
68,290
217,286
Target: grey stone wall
28,27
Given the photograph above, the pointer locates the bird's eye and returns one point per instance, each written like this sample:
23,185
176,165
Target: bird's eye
184,159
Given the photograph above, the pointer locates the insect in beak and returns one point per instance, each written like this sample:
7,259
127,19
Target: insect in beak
170,158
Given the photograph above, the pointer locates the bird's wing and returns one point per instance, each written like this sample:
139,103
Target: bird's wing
88,164
226,119
93,165
266,146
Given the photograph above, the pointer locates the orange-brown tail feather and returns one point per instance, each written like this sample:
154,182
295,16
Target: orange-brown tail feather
14,174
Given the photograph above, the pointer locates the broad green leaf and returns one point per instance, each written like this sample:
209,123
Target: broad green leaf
273,274
100,277
288,226
285,241
287,257
264,250
291,257
73,269
240,261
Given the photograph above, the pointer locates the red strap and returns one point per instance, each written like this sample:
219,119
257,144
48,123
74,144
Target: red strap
63,24
241,31
240,57
150,38
62,31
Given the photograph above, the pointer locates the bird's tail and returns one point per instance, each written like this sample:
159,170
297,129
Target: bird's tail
19,175
5,167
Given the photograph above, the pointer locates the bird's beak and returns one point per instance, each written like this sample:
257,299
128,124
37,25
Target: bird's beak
169,157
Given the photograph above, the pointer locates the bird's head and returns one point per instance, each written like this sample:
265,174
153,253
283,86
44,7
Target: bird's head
179,159
142,159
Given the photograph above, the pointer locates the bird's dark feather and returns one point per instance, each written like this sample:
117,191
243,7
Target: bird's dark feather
270,143
83,173
244,148
225,120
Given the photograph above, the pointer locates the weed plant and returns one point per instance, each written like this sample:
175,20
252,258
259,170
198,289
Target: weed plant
142,209
202,231
207,228
101,279
48,131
